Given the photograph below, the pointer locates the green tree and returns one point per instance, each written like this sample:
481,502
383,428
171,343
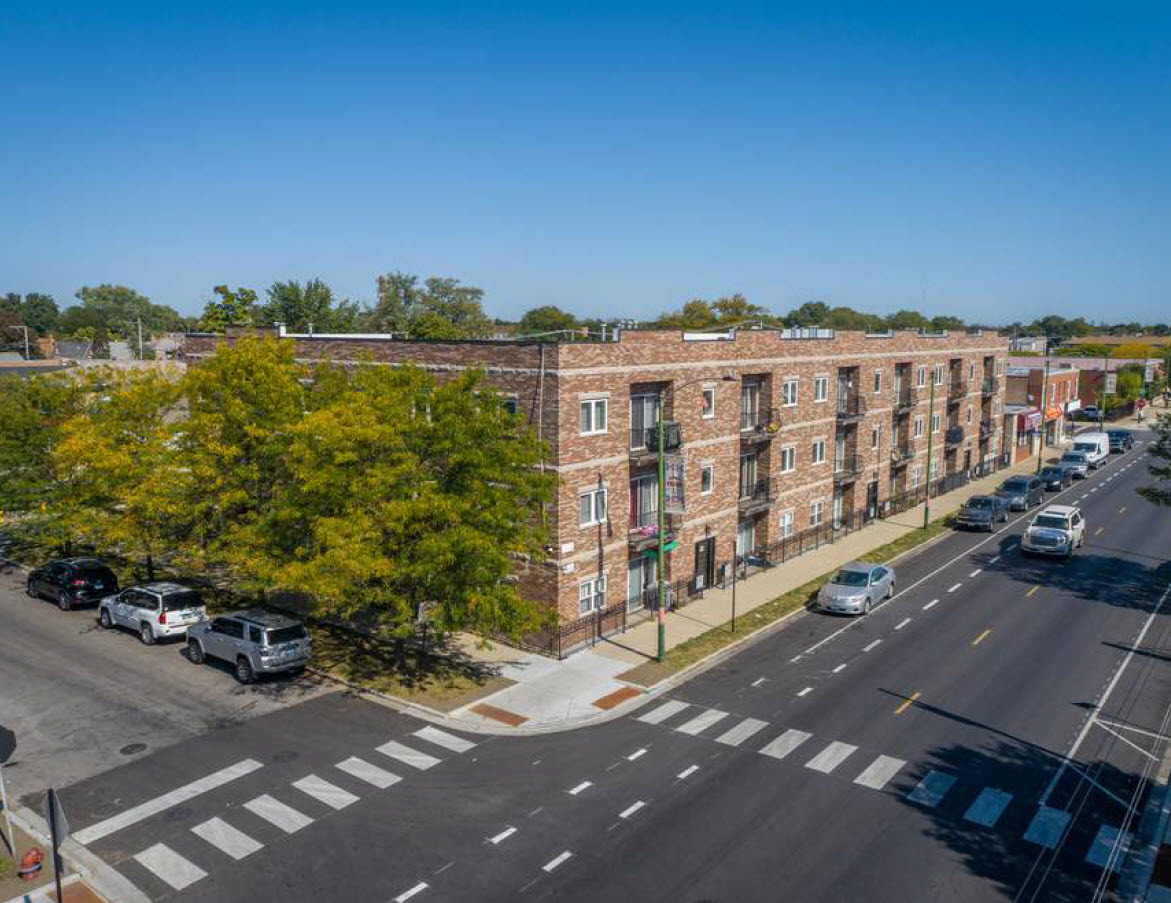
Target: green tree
119,310
735,309
907,319
811,313
231,308
1129,383
440,308
947,324
1159,493
546,319
695,314
312,304
40,312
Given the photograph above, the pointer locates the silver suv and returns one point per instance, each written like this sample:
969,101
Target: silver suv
153,610
255,642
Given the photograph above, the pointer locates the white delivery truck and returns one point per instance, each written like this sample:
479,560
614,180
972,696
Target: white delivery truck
1095,446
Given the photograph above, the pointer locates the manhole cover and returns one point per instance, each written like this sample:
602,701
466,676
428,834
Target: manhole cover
131,749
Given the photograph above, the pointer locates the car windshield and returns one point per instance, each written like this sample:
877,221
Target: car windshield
183,599
1118,434
1074,457
279,635
1015,485
1056,521
851,578
1052,472
980,501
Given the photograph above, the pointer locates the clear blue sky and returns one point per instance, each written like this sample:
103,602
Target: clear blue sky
998,160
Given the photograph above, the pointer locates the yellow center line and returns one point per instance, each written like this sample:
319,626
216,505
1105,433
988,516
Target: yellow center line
907,704
980,638
1033,590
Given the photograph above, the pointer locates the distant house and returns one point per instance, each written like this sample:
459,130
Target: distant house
1030,344
74,350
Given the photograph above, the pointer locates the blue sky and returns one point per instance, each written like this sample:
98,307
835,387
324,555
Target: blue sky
994,161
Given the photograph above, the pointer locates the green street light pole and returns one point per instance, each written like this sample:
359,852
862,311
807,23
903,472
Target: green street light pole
661,443
1044,406
930,443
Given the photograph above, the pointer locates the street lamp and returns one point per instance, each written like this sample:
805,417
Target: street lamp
660,445
1044,406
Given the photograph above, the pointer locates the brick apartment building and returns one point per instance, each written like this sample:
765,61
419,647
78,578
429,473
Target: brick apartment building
768,433
1024,387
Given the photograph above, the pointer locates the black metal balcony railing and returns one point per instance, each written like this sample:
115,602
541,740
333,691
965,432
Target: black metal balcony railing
990,385
851,407
987,428
756,426
847,468
644,529
902,453
953,436
755,494
645,440
956,390
905,399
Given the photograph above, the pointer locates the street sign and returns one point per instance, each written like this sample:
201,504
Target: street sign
55,815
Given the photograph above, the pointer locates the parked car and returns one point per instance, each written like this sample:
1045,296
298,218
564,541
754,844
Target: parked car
1056,476
255,642
72,581
1057,530
153,610
1022,492
1095,446
1089,412
856,587
1076,463
1120,440
982,512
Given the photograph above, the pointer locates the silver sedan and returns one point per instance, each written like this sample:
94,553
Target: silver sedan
855,588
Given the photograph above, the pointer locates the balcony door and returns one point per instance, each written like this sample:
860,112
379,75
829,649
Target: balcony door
745,538
644,502
747,475
749,405
644,414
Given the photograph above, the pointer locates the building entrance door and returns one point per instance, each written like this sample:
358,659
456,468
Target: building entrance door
705,563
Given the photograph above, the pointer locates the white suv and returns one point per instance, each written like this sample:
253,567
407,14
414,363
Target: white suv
153,610
1057,530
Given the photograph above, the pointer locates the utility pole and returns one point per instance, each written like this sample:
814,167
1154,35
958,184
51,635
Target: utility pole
662,459
139,321
1044,406
25,328
930,443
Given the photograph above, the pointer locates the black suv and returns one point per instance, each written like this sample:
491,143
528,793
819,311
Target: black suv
72,581
1120,440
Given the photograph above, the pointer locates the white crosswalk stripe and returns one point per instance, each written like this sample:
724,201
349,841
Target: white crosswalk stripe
371,774
444,739
831,757
702,722
284,817
1103,847
988,806
227,839
408,756
325,792
170,866
929,791
1047,827
661,713
741,732
878,772
785,743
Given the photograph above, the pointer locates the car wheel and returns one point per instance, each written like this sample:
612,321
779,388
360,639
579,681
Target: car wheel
104,619
244,672
194,652
890,590
31,588
866,606
63,601
146,634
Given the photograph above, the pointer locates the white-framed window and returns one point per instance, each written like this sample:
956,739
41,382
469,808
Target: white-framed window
932,470
786,523
707,478
591,594
816,512
921,377
708,411
817,452
591,507
916,476
935,422
821,388
918,426
788,459
877,381
939,368
594,416
789,393
875,436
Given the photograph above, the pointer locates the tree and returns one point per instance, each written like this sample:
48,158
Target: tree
300,307
234,308
811,313
736,309
120,310
907,319
546,319
40,312
1134,350
695,314
439,309
1160,492
1128,383
947,324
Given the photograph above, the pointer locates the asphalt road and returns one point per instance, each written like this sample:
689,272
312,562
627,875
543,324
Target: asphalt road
979,737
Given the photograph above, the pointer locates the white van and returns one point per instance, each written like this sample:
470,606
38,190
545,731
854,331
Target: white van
1095,446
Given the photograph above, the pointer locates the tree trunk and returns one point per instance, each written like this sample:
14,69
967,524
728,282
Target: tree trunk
400,652
150,567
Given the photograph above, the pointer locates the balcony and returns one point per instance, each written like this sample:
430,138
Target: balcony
644,529
905,399
755,496
644,442
901,454
847,469
990,386
953,437
756,426
851,408
987,428
957,389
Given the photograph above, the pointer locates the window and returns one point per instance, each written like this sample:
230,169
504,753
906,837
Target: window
254,635
932,469
816,512
821,388
875,436
788,459
591,595
707,475
921,377
916,476
935,421
877,381
818,453
789,393
919,426
593,416
939,374
511,406
969,415
709,403
786,524
592,507
971,371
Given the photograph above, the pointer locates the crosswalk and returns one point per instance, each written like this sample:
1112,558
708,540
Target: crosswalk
288,815
1046,826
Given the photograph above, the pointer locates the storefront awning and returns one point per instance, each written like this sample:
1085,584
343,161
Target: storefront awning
1052,413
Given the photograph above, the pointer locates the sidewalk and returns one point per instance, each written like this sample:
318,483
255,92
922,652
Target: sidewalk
587,687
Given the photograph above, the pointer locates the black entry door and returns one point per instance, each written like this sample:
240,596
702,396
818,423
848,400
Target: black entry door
705,563
872,498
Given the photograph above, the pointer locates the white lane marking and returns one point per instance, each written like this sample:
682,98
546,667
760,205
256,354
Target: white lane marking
878,772
444,739
166,801
227,839
687,772
1047,827
503,835
741,732
325,792
408,756
636,754
987,807
931,604
1131,727
1126,740
661,713
630,810
976,573
407,894
1108,849
929,791
840,668
903,623
170,866
702,722
553,863
371,774
952,589
275,812
994,559
759,681
830,757
805,691
584,785
871,646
